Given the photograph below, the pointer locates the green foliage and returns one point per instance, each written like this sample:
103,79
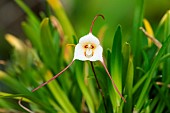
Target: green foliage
116,68
141,72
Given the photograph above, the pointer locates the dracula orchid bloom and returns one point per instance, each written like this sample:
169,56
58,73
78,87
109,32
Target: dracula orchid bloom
88,49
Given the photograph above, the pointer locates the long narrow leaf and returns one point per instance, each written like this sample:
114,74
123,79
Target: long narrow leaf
83,87
116,68
150,75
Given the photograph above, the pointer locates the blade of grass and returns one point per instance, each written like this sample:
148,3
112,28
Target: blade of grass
160,107
32,35
62,17
116,68
160,31
47,45
126,54
154,103
150,74
18,87
27,10
166,56
56,106
59,95
128,86
163,32
83,87
139,83
137,40
166,70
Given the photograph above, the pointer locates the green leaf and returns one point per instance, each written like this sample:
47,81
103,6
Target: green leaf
150,74
62,17
126,52
166,70
116,68
162,33
48,51
29,13
83,87
59,94
137,40
128,86
165,57
138,19
32,34
9,81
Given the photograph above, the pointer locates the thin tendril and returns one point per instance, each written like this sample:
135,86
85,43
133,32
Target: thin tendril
53,77
113,83
92,24
100,89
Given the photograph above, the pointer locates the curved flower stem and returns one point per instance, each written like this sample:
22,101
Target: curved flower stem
98,85
113,83
91,27
53,77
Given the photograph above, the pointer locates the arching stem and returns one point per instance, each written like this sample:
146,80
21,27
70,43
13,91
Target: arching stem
92,24
53,77
113,83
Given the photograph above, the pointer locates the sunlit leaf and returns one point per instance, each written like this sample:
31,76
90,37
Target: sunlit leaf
116,67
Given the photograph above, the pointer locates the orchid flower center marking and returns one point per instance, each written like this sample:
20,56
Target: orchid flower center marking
89,49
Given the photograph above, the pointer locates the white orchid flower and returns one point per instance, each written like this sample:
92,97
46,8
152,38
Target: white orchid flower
88,49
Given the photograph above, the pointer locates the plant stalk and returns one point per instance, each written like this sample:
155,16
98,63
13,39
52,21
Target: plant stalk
99,87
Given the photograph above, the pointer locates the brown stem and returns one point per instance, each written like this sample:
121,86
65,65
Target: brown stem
99,87
92,24
161,84
113,83
154,40
53,77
